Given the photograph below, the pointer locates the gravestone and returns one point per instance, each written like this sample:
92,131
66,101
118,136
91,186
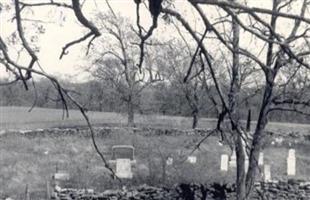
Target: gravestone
246,164
60,178
267,173
261,159
169,161
291,163
123,152
224,162
192,159
233,159
123,168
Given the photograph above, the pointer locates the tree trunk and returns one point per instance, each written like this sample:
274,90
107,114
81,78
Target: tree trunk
130,112
259,132
248,122
240,180
195,119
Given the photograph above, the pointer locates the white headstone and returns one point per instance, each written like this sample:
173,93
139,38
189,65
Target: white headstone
123,168
246,164
267,173
62,176
261,159
233,159
224,162
291,163
169,161
192,159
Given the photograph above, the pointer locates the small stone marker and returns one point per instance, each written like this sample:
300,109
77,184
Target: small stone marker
291,163
233,159
123,168
60,178
224,162
261,159
169,161
267,173
192,159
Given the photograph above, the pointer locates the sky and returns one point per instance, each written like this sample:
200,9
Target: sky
61,27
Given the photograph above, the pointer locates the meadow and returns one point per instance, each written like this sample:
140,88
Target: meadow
17,118
30,161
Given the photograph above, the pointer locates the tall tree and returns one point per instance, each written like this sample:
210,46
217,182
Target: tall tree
117,61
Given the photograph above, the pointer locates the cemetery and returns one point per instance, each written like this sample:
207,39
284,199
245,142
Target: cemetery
153,162
155,99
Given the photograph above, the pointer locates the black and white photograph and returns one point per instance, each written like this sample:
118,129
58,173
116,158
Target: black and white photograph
154,99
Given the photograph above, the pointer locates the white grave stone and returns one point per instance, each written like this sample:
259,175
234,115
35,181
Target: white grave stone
123,168
169,161
192,159
233,159
224,162
267,173
261,159
246,164
62,176
291,163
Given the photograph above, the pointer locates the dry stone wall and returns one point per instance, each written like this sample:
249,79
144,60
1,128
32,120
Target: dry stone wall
290,190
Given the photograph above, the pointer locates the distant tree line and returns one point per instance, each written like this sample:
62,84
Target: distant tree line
161,98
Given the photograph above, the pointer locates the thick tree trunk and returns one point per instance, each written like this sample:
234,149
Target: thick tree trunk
259,133
130,113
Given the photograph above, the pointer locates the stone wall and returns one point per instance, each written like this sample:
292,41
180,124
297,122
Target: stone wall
278,137
290,190
105,131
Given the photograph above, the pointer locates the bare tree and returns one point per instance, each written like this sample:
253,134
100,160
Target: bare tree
117,62
191,85
279,54
284,54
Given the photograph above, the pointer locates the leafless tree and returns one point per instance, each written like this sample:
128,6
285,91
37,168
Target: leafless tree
117,62
279,54
284,55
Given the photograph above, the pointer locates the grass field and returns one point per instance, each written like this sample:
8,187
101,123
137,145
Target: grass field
30,162
20,118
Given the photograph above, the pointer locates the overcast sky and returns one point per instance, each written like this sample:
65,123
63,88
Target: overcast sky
62,27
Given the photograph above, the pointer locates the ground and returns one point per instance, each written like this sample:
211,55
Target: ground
30,161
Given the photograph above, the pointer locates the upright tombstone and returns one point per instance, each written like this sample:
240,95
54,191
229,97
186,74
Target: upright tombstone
224,162
233,159
60,178
123,168
267,173
123,152
261,159
246,164
291,163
